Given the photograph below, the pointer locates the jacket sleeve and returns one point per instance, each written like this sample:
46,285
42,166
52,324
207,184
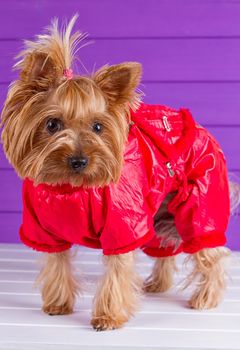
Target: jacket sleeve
202,212
32,233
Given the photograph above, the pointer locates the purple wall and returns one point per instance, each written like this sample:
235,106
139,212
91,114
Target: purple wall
190,51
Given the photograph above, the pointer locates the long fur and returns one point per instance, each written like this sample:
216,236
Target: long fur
209,274
164,225
161,278
59,286
57,45
117,296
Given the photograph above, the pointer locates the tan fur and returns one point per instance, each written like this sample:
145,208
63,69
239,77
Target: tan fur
164,225
161,278
209,273
116,299
59,286
43,60
43,93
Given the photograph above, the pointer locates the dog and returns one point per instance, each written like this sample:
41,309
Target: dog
104,170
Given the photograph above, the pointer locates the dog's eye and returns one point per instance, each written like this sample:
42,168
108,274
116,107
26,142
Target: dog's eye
54,125
97,127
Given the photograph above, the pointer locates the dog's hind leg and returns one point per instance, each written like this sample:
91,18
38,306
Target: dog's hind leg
208,270
161,278
59,287
117,296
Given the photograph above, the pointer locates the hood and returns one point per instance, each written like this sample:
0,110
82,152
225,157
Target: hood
152,119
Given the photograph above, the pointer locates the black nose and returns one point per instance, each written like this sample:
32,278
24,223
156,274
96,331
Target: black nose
78,163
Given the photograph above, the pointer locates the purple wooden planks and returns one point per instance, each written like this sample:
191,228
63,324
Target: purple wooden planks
9,227
4,164
162,60
229,140
112,18
233,233
10,195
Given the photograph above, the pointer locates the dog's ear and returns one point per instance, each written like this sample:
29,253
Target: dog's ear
39,69
37,66
119,82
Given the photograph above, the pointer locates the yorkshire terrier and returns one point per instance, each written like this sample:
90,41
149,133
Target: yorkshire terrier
104,170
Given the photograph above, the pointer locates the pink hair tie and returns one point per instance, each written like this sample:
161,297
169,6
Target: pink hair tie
68,73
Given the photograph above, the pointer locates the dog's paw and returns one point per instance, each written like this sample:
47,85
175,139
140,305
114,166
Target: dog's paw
106,323
152,286
52,310
203,301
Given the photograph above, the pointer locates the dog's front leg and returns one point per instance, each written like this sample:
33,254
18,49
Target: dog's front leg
117,296
59,288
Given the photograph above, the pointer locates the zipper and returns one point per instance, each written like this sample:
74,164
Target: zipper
171,172
166,123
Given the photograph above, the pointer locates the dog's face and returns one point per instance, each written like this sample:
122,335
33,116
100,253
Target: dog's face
69,131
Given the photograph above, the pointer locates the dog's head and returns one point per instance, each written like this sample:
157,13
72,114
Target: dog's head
59,128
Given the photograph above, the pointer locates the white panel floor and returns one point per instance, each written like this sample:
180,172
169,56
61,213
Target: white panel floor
163,321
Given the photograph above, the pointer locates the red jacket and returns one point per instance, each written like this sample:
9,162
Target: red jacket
166,152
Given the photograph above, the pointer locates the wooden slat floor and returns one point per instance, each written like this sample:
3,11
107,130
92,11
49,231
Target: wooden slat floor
163,321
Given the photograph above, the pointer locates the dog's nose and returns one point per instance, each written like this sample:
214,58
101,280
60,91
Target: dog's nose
78,163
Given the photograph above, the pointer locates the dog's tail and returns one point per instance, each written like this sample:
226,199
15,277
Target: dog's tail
234,185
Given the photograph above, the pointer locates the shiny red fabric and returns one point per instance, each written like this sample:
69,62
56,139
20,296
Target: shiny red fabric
166,152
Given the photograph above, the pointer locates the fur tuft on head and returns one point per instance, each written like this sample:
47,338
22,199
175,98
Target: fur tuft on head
44,60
